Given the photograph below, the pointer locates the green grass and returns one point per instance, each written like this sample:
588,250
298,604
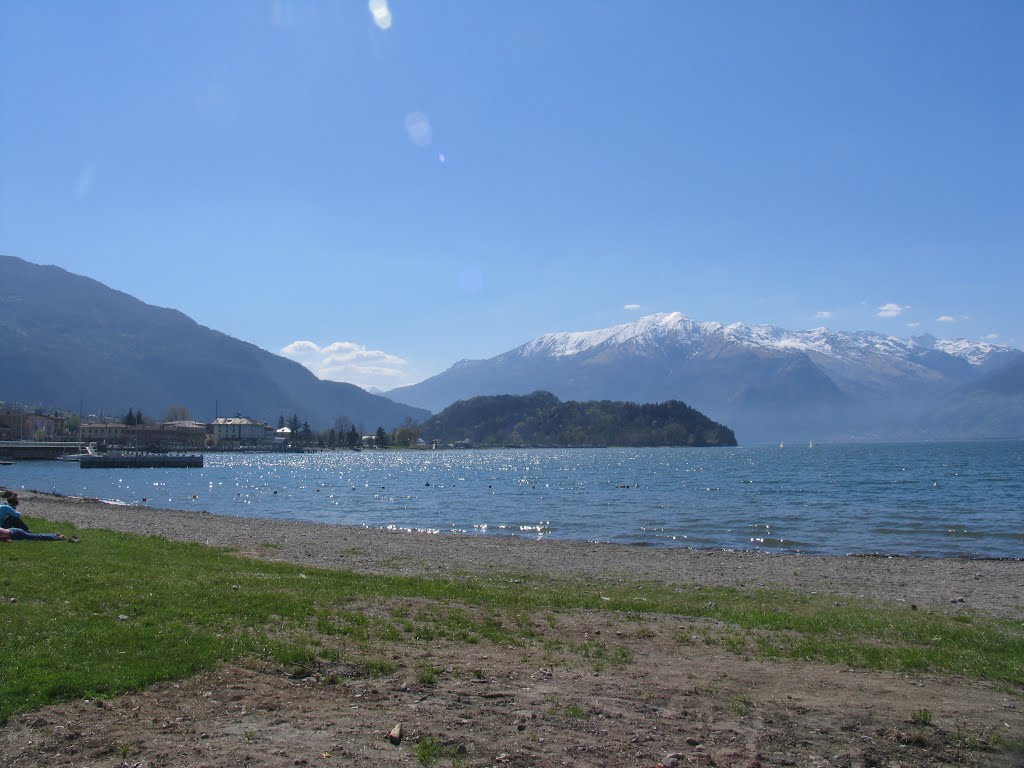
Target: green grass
598,653
921,717
429,750
576,711
428,675
119,612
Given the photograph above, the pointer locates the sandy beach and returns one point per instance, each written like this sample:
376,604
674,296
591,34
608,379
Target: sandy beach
685,699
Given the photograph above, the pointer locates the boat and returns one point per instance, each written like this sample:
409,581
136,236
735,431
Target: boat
89,451
810,444
781,444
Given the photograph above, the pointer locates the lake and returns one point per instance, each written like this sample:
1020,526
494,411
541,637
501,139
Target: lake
929,499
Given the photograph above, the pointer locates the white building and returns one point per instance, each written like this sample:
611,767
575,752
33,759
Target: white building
241,430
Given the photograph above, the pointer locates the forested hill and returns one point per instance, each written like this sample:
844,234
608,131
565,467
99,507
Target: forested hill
541,419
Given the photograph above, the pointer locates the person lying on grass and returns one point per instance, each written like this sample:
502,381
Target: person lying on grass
13,528
17,534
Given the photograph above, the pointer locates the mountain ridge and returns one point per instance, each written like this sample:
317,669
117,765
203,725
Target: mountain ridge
822,340
763,380
67,339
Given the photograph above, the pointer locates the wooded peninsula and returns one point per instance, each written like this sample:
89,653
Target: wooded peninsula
541,419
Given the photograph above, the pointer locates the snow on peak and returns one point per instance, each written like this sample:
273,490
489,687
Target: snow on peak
675,327
646,329
974,352
857,344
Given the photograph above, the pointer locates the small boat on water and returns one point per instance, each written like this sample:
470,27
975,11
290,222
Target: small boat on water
89,451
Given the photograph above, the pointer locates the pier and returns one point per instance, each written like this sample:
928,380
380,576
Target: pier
42,449
140,461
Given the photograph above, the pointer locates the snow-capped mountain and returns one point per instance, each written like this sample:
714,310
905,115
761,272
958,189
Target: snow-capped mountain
649,331
765,382
654,331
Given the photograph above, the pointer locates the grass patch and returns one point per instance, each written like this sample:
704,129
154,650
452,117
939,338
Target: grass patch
119,612
576,711
601,656
429,750
921,717
428,675
742,705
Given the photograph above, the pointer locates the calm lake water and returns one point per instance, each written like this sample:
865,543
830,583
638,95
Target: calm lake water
937,500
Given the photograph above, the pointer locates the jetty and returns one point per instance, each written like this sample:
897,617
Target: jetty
36,449
140,461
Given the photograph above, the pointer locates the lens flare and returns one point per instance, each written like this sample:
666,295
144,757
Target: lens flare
417,125
381,13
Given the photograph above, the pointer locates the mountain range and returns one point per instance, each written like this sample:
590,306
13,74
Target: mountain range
765,382
67,340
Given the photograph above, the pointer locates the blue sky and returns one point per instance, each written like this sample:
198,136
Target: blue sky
403,186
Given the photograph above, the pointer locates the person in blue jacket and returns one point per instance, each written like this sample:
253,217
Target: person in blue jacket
10,517
13,528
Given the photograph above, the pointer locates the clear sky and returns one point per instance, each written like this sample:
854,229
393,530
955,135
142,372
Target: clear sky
404,185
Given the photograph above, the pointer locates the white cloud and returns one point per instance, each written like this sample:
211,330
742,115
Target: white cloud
298,350
913,325
632,307
891,310
350,362
823,314
991,336
945,319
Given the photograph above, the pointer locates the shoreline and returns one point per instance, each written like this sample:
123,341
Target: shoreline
947,585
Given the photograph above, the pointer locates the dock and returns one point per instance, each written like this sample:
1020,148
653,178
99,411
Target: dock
36,449
140,461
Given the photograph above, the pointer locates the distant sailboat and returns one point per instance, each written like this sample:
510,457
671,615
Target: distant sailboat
810,444
781,445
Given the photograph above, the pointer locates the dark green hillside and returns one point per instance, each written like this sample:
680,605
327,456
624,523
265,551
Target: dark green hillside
542,419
